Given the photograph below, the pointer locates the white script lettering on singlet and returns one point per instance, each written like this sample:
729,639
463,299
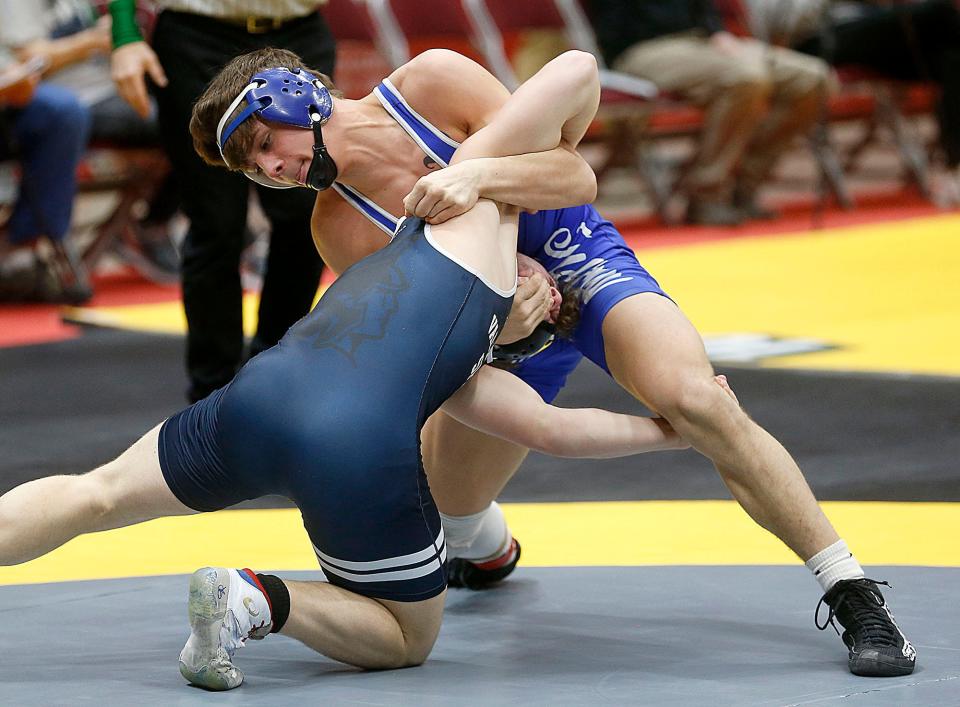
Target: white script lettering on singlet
492,332
592,276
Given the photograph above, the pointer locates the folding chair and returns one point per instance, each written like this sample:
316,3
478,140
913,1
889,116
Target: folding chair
362,54
408,27
632,112
877,103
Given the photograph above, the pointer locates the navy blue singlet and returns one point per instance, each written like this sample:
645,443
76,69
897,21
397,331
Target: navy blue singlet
331,416
576,245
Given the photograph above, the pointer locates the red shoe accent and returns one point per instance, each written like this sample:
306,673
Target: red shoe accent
256,580
498,562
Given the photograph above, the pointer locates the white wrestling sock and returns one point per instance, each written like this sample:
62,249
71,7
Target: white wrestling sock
479,537
834,563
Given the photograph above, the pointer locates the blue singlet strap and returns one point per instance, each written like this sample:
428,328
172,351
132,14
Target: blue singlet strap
432,141
383,220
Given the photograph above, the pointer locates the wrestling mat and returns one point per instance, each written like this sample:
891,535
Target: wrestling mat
641,581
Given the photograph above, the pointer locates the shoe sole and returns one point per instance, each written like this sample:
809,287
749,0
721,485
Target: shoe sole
870,665
206,612
463,574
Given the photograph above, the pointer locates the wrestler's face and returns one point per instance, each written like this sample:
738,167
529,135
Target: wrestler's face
282,152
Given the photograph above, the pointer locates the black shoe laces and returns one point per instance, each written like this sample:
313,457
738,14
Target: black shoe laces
858,605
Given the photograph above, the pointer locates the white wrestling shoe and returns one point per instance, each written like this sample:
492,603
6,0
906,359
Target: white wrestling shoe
226,608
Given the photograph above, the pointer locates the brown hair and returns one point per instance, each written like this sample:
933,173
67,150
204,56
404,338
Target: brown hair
569,316
221,92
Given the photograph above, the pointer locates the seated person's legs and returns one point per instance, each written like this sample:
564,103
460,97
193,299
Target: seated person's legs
733,90
51,135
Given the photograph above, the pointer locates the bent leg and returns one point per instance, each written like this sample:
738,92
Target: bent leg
466,468
41,515
654,352
376,634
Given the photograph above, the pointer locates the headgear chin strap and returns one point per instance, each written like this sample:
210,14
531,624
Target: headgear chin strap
290,97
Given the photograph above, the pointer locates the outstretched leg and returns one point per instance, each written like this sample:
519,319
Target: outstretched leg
41,515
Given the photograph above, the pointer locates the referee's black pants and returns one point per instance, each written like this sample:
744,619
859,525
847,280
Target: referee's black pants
192,49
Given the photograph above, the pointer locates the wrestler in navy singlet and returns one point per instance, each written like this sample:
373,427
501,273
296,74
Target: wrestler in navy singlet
331,416
576,245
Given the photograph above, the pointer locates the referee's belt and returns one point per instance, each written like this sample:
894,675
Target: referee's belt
254,24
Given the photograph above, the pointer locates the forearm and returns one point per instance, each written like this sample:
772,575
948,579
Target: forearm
500,404
588,433
62,52
518,180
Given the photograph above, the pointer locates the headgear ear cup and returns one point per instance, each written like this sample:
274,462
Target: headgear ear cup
541,337
289,97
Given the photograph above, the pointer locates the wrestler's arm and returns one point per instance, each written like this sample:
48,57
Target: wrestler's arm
470,99
341,234
500,404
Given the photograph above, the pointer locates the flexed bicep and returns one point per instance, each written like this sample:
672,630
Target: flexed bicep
552,109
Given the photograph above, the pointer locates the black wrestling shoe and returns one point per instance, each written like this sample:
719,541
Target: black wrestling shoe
464,573
877,646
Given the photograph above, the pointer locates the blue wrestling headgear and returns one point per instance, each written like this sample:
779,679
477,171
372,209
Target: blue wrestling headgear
291,97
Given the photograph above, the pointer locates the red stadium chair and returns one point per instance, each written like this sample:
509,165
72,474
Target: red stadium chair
362,54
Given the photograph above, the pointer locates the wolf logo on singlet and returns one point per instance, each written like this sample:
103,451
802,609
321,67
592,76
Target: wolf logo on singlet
331,416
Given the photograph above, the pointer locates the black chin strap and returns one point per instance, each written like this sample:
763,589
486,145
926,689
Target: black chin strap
323,170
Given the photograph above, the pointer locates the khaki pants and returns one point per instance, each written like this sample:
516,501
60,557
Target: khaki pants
755,100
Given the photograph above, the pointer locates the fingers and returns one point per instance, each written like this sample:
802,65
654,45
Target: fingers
439,196
411,200
156,70
446,213
536,300
129,65
422,199
722,382
134,92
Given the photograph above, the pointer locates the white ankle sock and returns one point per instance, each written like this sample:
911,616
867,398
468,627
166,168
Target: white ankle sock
834,563
482,536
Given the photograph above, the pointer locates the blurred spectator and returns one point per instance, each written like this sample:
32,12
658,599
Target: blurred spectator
756,98
46,131
905,40
191,41
74,43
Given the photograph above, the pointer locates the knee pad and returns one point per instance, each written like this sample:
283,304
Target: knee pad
479,536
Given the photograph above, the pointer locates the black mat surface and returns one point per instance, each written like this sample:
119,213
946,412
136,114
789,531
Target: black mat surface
69,406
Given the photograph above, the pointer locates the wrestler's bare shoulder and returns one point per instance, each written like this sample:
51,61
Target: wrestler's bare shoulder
452,91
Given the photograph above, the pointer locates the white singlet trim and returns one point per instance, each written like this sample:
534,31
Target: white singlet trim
387,562
450,256
397,576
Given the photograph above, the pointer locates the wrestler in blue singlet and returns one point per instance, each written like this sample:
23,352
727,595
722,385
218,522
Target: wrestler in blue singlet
576,245
331,416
